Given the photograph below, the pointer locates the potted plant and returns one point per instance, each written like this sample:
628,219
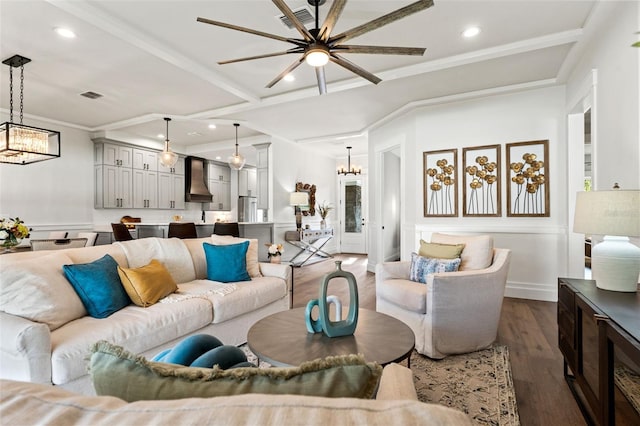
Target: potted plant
12,231
274,251
324,210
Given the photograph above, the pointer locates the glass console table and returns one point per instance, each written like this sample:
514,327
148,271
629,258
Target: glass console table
310,243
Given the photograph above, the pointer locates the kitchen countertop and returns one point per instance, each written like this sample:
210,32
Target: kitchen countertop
107,228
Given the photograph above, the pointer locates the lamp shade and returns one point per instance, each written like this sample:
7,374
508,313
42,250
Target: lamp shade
299,199
615,212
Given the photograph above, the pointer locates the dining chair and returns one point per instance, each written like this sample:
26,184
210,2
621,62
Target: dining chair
90,236
182,230
121,232
226,228
57,244
58,235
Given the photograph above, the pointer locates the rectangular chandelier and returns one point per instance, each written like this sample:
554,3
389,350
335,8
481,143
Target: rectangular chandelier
20,144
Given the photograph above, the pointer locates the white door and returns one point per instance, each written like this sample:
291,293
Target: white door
353,235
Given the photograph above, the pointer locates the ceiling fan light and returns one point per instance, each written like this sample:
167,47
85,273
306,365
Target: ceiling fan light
317,57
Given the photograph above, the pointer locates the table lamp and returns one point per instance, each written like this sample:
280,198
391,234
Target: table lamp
298,199
615,262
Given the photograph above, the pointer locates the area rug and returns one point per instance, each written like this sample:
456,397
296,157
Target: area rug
478,383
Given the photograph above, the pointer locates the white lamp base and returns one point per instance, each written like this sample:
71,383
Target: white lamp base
615,264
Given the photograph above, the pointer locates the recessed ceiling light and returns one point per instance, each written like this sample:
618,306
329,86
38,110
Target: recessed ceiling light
194,134
218,157
471,32
289,77
212,126
160,135
65,32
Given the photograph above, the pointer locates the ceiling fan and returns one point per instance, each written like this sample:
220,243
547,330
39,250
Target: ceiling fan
317,46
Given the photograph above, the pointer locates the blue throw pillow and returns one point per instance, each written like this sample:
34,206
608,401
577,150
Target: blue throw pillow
423,266
227,264
98,286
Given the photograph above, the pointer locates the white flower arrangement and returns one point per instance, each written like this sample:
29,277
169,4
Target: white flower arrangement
274,249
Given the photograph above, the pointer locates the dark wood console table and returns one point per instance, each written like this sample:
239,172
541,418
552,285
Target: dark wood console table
599,337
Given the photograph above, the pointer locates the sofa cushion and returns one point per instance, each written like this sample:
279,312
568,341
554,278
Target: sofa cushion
477,252
172,252
440,251
252,252
423,266
98,286
37,289
227,263
147,284
243,297
139,329
409,295
117,372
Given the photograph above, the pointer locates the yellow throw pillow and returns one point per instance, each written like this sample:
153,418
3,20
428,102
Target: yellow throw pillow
440,251
147,284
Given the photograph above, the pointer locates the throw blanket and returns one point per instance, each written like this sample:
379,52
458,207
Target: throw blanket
219,289
172,252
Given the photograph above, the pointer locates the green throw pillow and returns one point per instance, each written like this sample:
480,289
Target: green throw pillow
117,372
440,251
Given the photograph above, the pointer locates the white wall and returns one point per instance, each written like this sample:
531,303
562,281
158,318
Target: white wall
537,244
295,163
53,194
609,52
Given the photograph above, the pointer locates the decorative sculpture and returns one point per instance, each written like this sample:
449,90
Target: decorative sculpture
323,323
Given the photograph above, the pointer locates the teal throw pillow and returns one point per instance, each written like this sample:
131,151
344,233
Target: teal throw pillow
228,263
423,266
98,286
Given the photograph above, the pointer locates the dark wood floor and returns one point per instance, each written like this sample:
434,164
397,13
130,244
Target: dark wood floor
527,327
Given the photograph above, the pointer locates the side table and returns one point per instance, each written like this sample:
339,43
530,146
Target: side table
310,243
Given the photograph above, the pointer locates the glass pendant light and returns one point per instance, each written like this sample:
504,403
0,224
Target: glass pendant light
236,162
168,158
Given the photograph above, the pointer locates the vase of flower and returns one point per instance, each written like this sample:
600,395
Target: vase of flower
323,224
324,210
274,251
12,232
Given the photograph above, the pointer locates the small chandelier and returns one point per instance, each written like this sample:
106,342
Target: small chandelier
20,144
236,162
349,170
168,158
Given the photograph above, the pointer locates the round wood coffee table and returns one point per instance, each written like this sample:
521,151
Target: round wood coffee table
282,339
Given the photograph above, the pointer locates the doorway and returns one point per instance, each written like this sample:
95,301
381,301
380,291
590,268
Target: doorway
353,235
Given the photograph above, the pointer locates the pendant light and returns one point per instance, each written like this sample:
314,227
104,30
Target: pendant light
168,158
236,162
20,144
349,170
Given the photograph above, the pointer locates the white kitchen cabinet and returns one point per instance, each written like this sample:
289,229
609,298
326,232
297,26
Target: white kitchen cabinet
247,182
220,187
145,189
170,191
114,187
262,175
114,155
145,160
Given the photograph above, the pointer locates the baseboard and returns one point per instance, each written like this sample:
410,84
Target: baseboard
532,291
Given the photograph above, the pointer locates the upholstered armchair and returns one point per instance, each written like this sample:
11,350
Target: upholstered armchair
454,312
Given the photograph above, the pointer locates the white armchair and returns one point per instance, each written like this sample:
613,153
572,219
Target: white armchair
455,312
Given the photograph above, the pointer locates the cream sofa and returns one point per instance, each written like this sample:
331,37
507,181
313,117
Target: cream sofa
395,403
53,346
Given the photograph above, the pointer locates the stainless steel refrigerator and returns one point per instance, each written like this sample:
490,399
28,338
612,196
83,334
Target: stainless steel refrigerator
247,209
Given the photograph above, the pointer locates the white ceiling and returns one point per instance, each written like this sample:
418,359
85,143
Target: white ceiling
151,59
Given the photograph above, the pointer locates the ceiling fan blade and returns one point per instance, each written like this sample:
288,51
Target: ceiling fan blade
322,82
381,21
250,31
294,20
354,68
280,76
332,17
380,50
266,55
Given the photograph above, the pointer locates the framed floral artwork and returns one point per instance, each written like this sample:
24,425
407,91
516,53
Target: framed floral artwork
528,184
440,182
481,182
